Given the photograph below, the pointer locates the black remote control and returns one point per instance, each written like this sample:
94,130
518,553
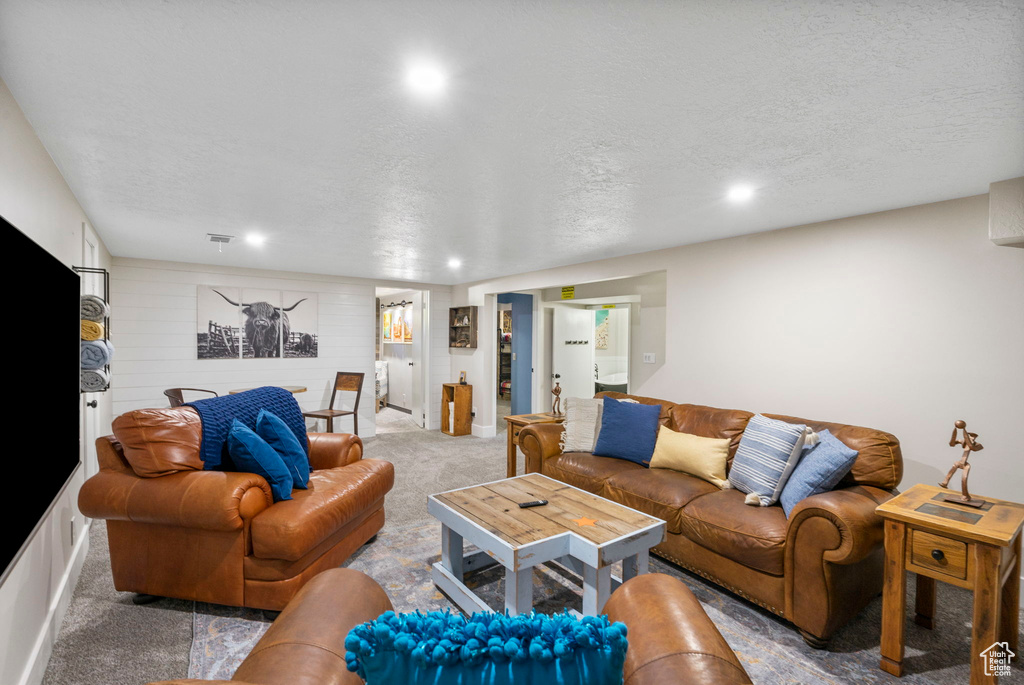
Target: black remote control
536,503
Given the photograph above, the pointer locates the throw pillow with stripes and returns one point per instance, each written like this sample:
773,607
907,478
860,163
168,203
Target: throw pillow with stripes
767,455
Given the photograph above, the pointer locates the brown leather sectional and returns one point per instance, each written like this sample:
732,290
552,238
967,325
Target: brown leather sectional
816,569
176,530
671,639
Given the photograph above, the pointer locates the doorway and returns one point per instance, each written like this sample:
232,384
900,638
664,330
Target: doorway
514,349
589,347
399,395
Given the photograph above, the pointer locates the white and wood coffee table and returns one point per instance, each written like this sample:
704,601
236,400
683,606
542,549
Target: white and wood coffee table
581,531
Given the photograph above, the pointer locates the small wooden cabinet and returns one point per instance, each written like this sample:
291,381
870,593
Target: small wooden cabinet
456,409
977,549
462,327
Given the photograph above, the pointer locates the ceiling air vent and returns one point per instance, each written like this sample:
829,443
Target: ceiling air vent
219,238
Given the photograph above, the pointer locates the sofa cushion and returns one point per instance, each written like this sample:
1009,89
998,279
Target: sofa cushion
752,536
158,442
278,435
664,418
334,497
692,454
661,493
879,460
629,430
251,454
709,422
585,471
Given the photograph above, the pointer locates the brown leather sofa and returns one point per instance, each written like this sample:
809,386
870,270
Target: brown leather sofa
176,530
671,639
816,569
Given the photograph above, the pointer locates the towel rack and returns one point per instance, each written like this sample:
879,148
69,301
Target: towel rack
106,319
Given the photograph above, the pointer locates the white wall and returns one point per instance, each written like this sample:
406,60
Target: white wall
33,598
157,347
903,320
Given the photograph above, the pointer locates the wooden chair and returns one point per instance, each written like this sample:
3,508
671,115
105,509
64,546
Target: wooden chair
345,382
176,397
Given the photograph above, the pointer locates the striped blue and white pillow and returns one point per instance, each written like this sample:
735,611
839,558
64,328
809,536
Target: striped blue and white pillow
767,455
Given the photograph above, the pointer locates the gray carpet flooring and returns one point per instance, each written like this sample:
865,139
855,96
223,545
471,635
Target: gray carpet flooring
106,639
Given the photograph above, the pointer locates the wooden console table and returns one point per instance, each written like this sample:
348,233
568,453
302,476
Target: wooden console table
976,549
457,420
515,424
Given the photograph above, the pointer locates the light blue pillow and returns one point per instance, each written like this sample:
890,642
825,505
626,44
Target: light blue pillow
251,454
629,430
767,454
487,648
278,435
819,469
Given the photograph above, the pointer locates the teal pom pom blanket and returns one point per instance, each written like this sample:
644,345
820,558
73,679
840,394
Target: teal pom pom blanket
487,649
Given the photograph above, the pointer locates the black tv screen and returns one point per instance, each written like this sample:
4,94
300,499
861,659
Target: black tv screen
41,388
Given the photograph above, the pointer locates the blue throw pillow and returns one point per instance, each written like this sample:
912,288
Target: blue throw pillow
769,451
629,430
278,435
447,647
819,470
251,454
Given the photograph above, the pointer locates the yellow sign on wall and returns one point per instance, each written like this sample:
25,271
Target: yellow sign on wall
569,292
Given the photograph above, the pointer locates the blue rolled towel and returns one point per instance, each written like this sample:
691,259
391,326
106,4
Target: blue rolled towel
96,354
94,308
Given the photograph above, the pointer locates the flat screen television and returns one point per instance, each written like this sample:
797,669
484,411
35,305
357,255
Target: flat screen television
41,389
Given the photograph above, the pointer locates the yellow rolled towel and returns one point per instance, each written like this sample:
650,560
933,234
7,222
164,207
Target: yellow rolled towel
91,330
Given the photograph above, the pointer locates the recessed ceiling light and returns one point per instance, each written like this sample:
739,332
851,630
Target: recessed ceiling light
454,263
255,239
425,79
740,193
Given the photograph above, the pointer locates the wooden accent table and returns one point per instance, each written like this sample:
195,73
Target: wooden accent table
581,531
459,419
515,424
293,389
977,549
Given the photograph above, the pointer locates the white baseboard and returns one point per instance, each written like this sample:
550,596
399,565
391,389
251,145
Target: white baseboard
43,648
484,431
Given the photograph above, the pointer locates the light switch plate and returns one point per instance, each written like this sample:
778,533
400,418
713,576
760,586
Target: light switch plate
649,358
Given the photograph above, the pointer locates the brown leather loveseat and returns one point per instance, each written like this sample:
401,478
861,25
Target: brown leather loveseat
671,639
816,569
176,530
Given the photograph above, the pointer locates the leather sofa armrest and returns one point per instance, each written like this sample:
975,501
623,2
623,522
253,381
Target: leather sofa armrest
191,681
331,450
852,511
208,500
671,639
540,441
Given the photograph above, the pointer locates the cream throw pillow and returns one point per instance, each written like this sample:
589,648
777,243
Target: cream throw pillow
704,458
582,424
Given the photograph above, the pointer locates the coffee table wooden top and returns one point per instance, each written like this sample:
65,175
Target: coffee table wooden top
995,523
495,507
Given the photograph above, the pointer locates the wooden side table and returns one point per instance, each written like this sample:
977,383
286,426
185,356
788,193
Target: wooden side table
976,549
515,424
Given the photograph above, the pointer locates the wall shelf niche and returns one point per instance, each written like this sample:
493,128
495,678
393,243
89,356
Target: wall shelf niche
462,327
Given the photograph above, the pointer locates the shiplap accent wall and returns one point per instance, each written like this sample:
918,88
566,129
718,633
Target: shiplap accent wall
155,336
438,357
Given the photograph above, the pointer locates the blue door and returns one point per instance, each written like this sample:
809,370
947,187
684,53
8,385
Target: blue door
522,350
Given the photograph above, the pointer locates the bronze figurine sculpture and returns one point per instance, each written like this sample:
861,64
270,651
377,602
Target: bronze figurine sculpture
556,408
970,444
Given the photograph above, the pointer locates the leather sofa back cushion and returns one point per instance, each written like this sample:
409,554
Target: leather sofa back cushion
709,422
664,419
158,442
879,462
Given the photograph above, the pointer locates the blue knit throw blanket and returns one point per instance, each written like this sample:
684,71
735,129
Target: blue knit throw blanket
217,414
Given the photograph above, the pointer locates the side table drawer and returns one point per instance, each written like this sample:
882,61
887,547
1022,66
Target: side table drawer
939,554
515,434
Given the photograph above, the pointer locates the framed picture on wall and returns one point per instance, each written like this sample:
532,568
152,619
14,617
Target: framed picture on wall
386,325
407,324
300,324
218,322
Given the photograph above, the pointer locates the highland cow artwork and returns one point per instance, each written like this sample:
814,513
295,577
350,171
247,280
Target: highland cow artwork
246,323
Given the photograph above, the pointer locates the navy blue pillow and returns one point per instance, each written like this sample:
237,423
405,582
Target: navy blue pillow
628,431
278,435
251,454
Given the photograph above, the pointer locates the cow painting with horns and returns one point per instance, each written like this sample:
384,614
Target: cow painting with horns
265,325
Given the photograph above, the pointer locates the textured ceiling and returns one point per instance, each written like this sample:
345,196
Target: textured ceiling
569,131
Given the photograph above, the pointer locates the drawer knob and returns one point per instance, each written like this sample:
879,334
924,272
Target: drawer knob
937,555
